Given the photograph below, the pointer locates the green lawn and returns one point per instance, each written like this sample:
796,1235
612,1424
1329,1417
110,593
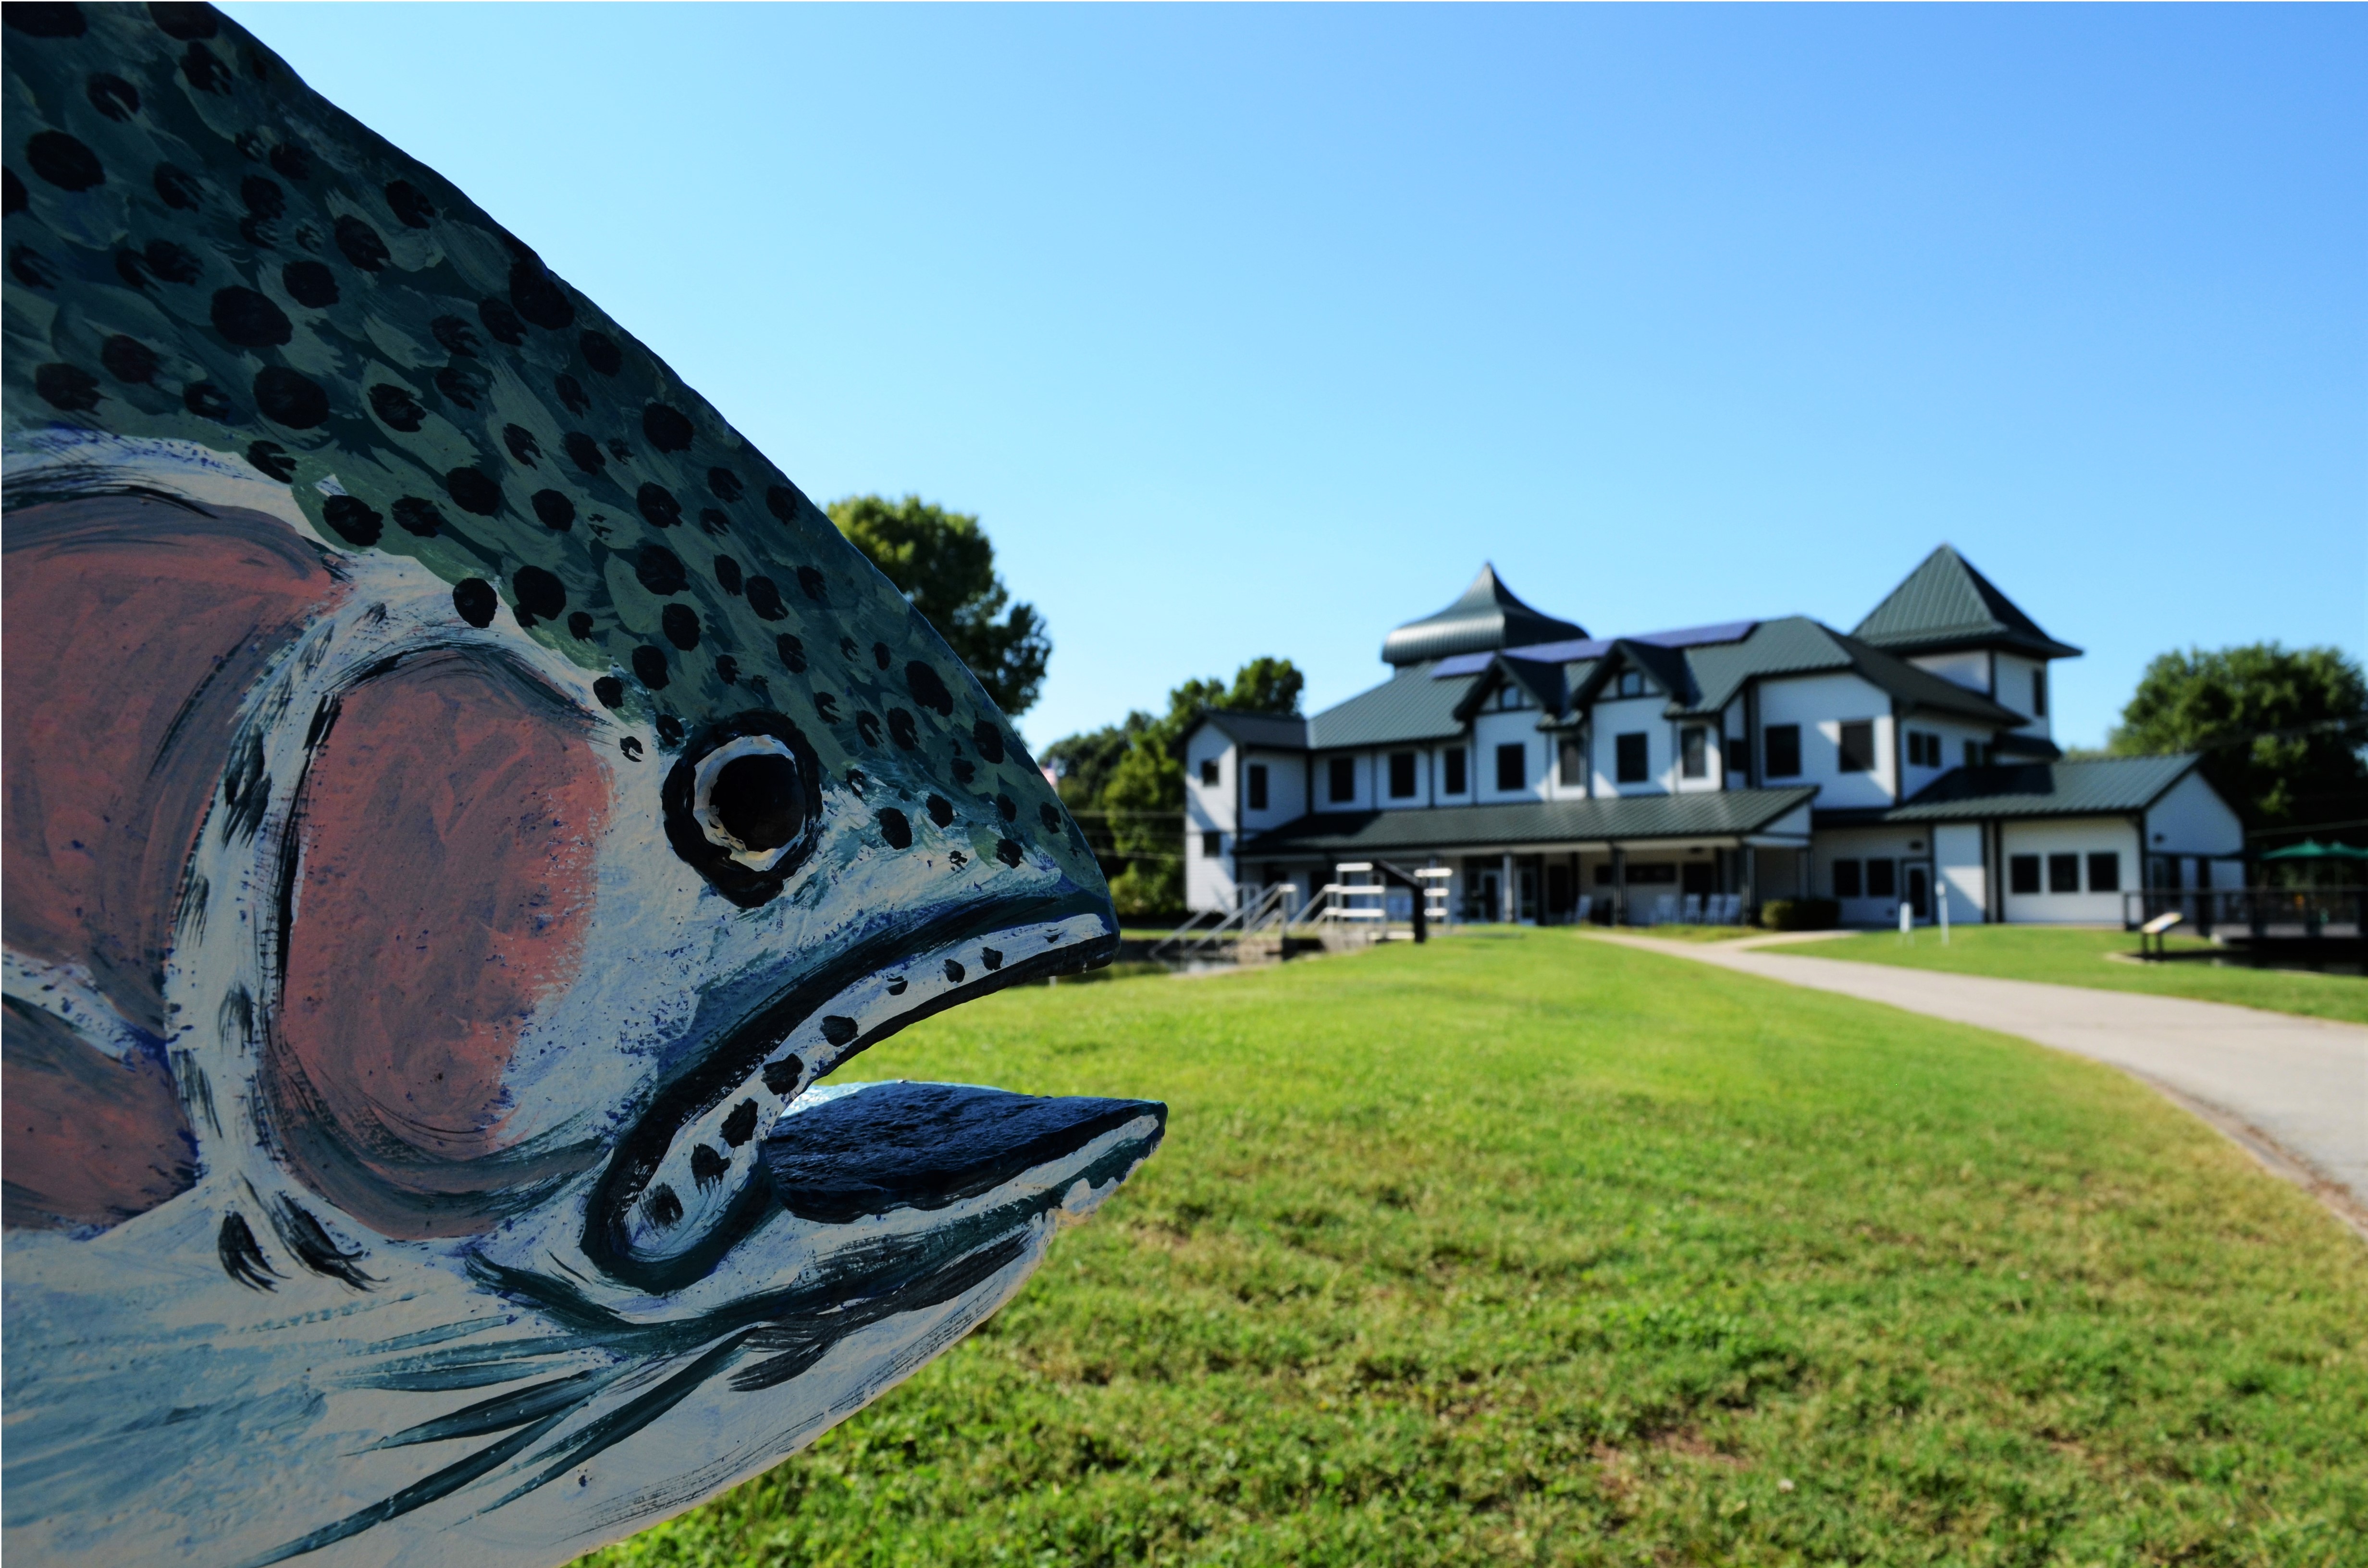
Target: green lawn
1523,1247
2077,958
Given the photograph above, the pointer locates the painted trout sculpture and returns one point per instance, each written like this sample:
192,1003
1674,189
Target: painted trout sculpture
462,803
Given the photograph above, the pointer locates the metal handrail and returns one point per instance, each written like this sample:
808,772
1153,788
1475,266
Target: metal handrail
2258,914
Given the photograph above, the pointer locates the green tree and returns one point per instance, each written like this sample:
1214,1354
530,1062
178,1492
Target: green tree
943,563
1125,781
2280,728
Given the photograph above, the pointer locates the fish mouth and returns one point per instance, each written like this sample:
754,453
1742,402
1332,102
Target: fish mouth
687,1182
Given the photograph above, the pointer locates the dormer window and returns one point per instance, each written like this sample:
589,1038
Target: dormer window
1632,683
1510,697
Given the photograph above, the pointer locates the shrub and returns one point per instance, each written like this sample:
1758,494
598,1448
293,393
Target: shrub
1800,914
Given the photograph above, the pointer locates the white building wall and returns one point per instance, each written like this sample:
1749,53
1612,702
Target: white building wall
1968,668
1632,715
1963,879
1902,847
1514,727
1820,705
2014,692
1954,735
2071,835
1712,741
1360,773
1286,788
1425,779
2192,819
1439,792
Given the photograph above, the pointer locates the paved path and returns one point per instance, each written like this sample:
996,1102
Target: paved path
2293,1090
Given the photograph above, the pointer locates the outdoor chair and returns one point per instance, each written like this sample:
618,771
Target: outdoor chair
1586,909
1664,910
1693,914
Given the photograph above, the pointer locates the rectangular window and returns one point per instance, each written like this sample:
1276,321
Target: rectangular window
1784,751
1632,684
1209,771
1923,750
1858,747
2022,873
2064,873
1632,756
1258,786
1212,844
1573,762
1452,765
1693,743
1846,882
2105,872
2039,692
1882,879
1976,756
1344,779
1736,769
1512,765
1401,774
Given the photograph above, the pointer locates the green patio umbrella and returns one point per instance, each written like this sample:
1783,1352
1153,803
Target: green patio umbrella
2312,849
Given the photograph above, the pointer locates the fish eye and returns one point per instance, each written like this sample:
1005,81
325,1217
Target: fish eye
743,805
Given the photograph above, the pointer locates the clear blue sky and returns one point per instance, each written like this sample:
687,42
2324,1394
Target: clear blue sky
1257,330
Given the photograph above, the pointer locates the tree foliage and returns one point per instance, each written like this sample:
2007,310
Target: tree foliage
1125,781
2280,729
943,564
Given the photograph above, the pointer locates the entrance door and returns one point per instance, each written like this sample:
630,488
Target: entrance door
1528,885
1920,891
1492,898
1559,899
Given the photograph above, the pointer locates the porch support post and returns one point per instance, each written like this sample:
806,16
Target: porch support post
1508,902
1619,885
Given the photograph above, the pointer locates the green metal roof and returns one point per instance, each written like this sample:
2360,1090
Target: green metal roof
1276,732
1797,645
1709,814
2104,787
1944,603
1409,707
1487,615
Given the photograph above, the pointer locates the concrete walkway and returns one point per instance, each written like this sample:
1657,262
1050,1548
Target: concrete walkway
2291,1090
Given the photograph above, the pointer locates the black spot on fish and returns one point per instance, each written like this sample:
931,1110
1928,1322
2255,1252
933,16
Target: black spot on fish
249,319
360,244
610,690
942,811
727,669
810,580
669,730
880,654
557,512
713,522
629,745
411,209
896,828
127,360
539,297
901,729
707,1167
741,1125
234,1243
473,490
782,1076
1008,852
292,160
32,268
600,352
185,20
660,570
784,502
14,197
579,625
206,401
205,70
664,1208
954,971
965,770
991,957
271,457
474,597
463,385
69,388
837,1030
1006,808
175,188
868,726
521,443
1050,815
725,483
584,451
316,1249
353,519
727,574
171,262
540,594
828,706
667,428
571,393
793,654
62,161
290,398
988,739
45,18
658,506
310,284
681,624
396,408
650,667
264,198
454,335
764,599
113,96
928,689
502,322
417,515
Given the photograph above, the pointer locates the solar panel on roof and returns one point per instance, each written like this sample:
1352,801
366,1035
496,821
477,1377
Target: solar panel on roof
1596,647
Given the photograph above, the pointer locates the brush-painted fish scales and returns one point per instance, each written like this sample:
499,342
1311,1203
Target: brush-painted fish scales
462,803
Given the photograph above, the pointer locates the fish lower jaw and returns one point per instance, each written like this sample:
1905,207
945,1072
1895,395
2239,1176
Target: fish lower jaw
711,1175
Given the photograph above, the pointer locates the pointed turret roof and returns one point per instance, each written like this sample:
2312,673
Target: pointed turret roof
1489,615
1944,603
